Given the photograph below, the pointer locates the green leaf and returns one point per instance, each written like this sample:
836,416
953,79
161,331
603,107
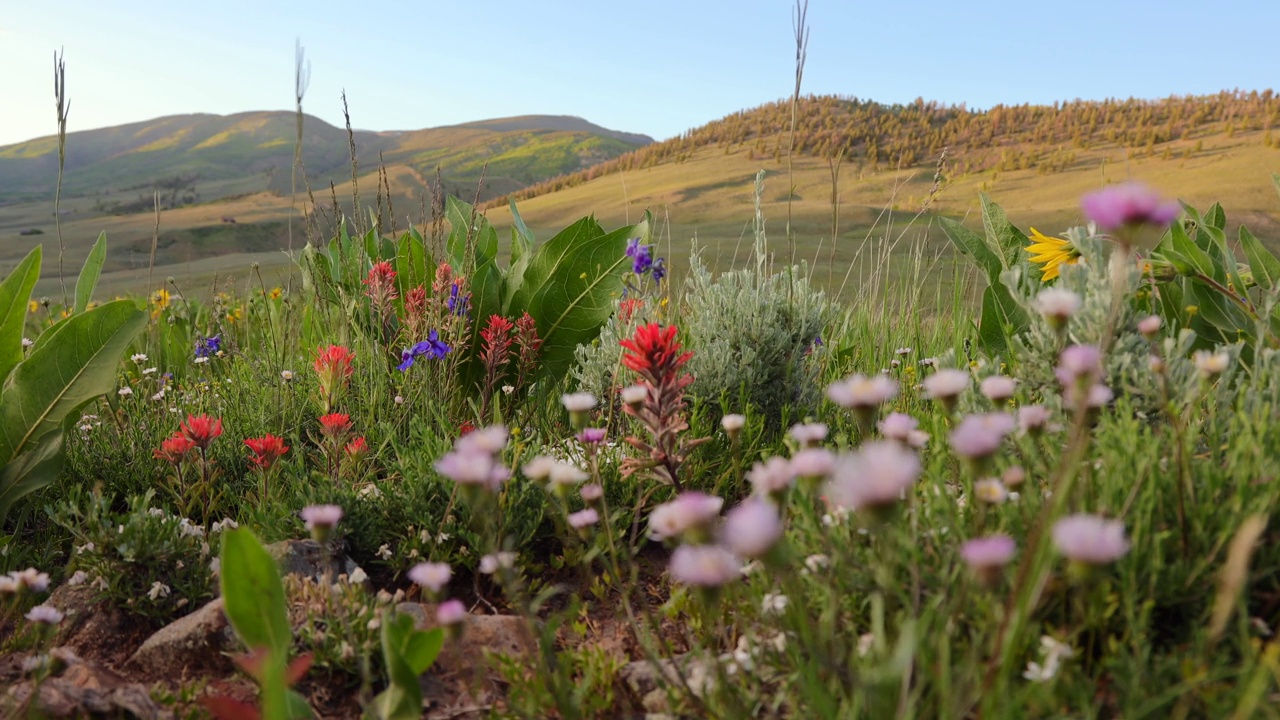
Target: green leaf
1215,217
1265,266
253,594
423,648
88,279
15,292
470,234
402,700
1010,241
76,364
571,287
411,261
30,471
971,245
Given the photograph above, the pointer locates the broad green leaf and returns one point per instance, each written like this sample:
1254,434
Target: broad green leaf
253,594
575,280
1265,266
1188,249
402,700
470,235
88,279
30,471
411,261
423,648
61,374
522,244
1008,239
15,292
970,244
1215,217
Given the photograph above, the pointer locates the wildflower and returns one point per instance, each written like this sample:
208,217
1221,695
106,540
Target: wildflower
451,612
30,580
902,428
1054,653
816,562
473,469
490,439
874,477
578,404
1032,419
356,450
1013,476
384,551
158,590
591,493
138,358
691,514
333,366
459,303
591,436
809,434
125,391
335,425
998,388
27,342
641,257
1079,365
812,464
286,375
380,283
773,603
266,450
1128,206
659,271
44,615
321,519
433,348
945,386
1149,326
432,576
490,564
1089,539
399,400
1051,253
150,371
201,360
990,491
583,518
1211,364
902,351
978,437
634,395
732,424
208,346
986,556
539,468
752,528
201,429
771,477
564,475
706,566
859,391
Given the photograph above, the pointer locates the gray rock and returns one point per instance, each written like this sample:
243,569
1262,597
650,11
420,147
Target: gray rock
187,646
641,680
307,558
85,690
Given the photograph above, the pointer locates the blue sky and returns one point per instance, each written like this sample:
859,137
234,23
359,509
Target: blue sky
657,67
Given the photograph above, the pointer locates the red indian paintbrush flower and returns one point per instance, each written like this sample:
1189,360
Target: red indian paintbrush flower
655,356
381,282
266,450
333,365
174,450
654,352
357,449
201,430
335,425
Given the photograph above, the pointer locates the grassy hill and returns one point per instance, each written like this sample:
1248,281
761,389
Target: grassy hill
224,181
889,160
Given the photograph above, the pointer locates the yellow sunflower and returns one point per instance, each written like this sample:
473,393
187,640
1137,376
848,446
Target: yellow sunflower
1051,253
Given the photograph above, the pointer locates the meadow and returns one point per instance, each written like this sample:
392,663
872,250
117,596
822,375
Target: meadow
671,436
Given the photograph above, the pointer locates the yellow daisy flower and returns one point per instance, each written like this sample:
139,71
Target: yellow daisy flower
1051,253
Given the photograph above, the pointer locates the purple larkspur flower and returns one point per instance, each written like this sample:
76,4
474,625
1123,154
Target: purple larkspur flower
641,257
432,348
207,346
459,304
659,269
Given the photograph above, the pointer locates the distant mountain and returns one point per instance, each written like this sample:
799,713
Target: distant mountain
207,157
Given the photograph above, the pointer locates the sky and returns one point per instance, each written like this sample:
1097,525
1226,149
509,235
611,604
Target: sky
658,67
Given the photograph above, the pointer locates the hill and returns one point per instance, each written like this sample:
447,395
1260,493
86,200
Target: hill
223,182
1034,160
222,155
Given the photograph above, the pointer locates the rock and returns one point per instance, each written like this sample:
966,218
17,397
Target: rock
86,689
187,646
505,634
306,558
640,680
97,631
